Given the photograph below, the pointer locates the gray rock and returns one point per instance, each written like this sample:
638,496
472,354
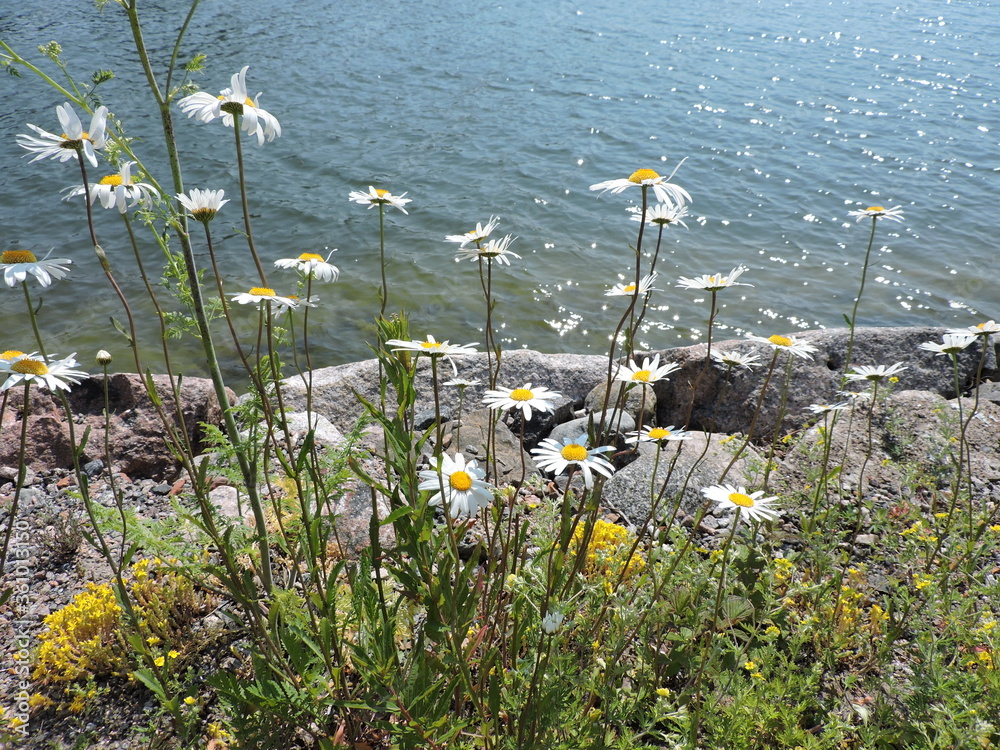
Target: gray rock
701,396
324,433
93,468
541,423
572,375
641,398
507,451
911,447
616,423
227,500
700,462
990,392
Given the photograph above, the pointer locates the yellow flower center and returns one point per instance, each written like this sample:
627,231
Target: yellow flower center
630,289
658,433
716,280
981,326
30,367
876,208
381,192
311,256
111,179
460,481
18,256
10,354
738,498
574,452
641,375
262,291
521,394
74,143
780,340
430,344
642,174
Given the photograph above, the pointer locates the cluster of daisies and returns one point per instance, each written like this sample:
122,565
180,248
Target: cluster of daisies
459,484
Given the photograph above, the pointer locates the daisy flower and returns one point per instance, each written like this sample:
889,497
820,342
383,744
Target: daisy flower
736,359
464,488
983,329
878,212
661,214
56,374
751,506
118,190
477,235
666,192
552,621
555,456
790,344
73,140
297,303
430,346
230,103
11,354
261,294
524,398
715,282
657,435
17,264
952,344
495,248
461,383
311,264
827,408
650,372
203,205
628,290
378,197
876,374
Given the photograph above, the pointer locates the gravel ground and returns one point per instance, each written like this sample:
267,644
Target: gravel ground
58,565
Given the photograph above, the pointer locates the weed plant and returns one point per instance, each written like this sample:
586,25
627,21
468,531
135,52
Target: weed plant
481,614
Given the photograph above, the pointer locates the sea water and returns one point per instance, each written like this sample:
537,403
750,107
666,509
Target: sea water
786,116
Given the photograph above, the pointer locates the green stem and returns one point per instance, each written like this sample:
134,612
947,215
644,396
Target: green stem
857,300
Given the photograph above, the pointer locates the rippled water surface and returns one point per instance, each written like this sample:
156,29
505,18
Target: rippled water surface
789,115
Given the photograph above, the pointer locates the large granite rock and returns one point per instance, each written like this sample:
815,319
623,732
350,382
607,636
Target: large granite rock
684,467
572,375
137,434
701,396
914,447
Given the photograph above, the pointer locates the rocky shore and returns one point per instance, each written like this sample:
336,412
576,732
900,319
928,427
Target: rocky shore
911,433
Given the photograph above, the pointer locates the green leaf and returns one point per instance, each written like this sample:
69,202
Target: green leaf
403,510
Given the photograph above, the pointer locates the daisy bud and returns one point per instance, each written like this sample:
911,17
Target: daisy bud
104,358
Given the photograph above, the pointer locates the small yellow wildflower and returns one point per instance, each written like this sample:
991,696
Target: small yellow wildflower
922,581
159,661
663,692
173,654
772,630
190,700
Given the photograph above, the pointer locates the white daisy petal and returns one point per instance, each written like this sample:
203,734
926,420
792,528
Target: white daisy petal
751,506
462,483
17,265
524,398
552,455
233,102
